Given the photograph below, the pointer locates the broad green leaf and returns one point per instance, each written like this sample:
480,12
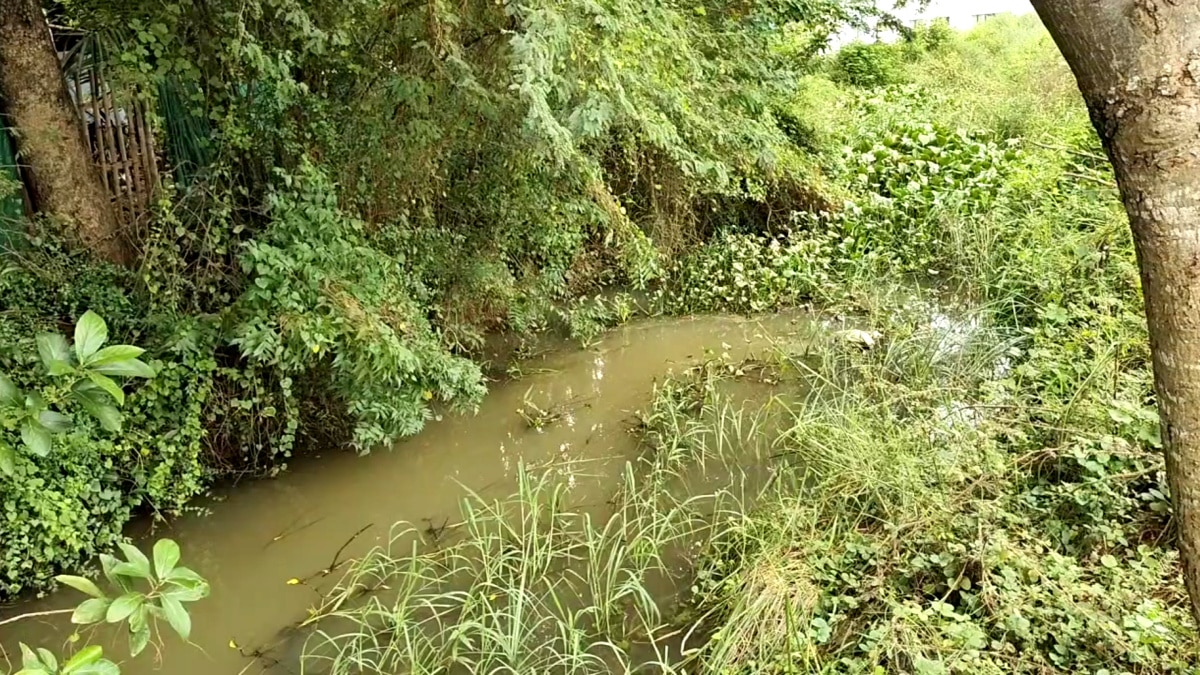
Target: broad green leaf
8,459
184,574
109,564
177,616
114,354
86,390
48,659
123,606
101,667
54,422
139,619
137,559
36,438
187,591
108,385
166,555
34,403
127,368
138,640
9,394
93,610
185,585
96,402
109,417
80,584
55,353
90,334
129,571
29,658
83,657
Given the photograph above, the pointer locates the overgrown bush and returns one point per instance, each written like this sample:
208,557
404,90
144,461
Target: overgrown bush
63,507
873,64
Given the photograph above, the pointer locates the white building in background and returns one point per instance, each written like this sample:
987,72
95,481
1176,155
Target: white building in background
960,14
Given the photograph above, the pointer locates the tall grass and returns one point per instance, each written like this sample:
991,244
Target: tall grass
540,583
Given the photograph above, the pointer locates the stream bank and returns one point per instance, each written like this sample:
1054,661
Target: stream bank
265,546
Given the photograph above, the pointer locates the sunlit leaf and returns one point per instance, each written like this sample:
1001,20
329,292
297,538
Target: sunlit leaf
136,558
138,640
114,354
166,555
8,459
177,616
29,658
127,368
140,618
101,667
9,394
84,657
123,607
48,659
90,333
184,574
109,565
90,611
108,385
80,584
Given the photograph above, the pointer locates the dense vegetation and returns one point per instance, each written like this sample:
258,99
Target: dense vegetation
981,492
304,278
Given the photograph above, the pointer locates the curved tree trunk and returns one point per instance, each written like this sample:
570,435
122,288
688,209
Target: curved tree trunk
1138,67
63,180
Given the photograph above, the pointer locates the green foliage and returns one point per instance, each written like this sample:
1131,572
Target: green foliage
587,318
359,192
140,596
1012,514
83,381
63,508
938,531
321,292
1006,75
867,65
746,273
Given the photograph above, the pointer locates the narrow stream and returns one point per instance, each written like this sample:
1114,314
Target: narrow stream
258,536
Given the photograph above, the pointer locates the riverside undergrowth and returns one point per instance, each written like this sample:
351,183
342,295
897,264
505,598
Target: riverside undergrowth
356,193
978,488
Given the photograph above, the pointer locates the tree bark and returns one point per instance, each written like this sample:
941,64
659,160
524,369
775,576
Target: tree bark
1138,66
57,160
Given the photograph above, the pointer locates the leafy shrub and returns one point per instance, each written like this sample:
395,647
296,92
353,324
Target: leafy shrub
61,508
141,595
867,65
321,293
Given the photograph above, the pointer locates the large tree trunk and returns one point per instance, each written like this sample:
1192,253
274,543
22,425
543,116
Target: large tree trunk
62,178
1138,66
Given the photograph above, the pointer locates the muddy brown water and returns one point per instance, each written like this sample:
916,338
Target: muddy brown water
257,536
